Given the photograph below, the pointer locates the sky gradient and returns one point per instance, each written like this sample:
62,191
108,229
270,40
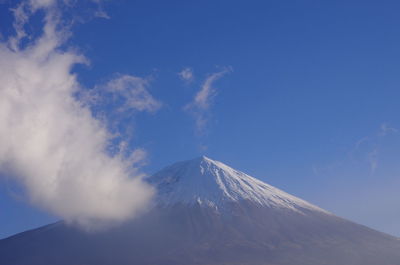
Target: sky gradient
300,94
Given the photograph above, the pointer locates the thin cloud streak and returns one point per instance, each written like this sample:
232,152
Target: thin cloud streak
372,144
202,101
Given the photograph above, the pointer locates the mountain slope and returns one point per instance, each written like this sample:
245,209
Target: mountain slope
209,213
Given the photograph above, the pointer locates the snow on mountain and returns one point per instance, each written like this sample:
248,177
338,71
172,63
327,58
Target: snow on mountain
209,182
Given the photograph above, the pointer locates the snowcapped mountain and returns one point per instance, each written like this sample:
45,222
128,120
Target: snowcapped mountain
206,181
206,212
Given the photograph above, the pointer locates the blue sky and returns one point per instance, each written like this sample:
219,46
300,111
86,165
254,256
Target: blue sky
306,99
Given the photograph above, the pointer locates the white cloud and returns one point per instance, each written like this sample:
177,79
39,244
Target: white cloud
199,107
51,143
186,74
124,93
132,93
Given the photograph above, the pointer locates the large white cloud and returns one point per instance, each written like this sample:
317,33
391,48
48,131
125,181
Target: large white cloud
50,142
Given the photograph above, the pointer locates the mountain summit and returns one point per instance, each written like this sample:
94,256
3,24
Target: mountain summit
207,213
206,181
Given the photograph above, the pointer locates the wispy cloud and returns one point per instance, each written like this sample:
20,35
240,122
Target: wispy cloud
363,180
50,142
100,12
385,129
202,101
126,93
365,155
186,74
117,101
22,13
371,145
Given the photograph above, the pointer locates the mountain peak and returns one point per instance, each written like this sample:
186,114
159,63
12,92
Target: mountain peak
209,182
201,159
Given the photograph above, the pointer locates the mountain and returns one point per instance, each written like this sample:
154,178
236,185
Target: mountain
206,212
205,181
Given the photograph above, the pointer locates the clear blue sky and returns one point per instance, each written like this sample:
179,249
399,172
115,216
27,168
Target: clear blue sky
309,103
